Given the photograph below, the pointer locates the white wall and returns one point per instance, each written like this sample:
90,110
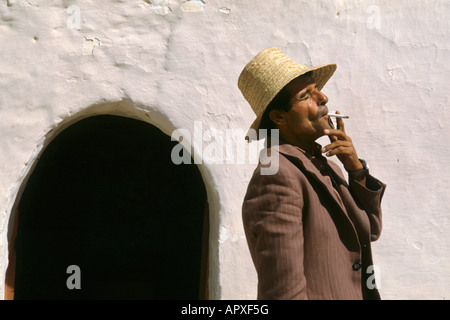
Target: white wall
173,63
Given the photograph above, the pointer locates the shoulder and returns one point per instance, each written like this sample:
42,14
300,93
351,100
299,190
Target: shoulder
274,165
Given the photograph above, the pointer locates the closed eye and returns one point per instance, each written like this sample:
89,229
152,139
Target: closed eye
305,95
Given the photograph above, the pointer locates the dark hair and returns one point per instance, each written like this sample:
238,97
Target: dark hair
282,102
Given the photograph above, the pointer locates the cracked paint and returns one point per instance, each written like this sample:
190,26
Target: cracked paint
193,5
89,45
161,7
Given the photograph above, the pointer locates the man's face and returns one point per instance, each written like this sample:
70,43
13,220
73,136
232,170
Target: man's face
308,117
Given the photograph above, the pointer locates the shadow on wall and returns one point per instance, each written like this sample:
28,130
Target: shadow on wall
106,197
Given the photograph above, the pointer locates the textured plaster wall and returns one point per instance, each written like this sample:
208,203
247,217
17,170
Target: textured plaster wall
175,62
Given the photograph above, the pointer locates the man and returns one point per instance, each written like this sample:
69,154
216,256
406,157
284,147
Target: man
308,229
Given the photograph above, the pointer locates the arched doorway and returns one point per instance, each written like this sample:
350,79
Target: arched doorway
106,197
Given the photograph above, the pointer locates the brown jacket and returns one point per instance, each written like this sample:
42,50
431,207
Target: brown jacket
307,240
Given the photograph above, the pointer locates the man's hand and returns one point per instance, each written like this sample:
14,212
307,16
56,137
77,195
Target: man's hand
342,146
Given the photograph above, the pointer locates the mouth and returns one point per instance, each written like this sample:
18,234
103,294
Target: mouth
323,112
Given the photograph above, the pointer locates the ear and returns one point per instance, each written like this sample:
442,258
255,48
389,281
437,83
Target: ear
278,116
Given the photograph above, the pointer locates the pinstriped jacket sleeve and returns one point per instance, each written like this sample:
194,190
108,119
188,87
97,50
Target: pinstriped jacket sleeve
368,198
272,217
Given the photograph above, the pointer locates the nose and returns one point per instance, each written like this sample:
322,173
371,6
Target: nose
322,99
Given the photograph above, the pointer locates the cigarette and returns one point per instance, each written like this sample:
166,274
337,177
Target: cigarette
338,115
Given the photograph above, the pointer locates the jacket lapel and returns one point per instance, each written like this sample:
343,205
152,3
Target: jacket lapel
304,164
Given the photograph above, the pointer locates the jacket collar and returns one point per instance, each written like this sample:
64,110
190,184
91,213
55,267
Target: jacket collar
301,157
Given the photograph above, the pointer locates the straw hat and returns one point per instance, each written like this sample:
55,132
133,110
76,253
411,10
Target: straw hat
267,73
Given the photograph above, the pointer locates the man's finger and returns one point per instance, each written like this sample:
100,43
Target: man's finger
339,134
333,138
340,123
335,144
337,151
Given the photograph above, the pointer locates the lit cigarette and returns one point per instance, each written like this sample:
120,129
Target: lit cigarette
338,115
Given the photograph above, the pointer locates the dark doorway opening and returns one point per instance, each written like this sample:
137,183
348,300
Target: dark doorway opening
105,196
